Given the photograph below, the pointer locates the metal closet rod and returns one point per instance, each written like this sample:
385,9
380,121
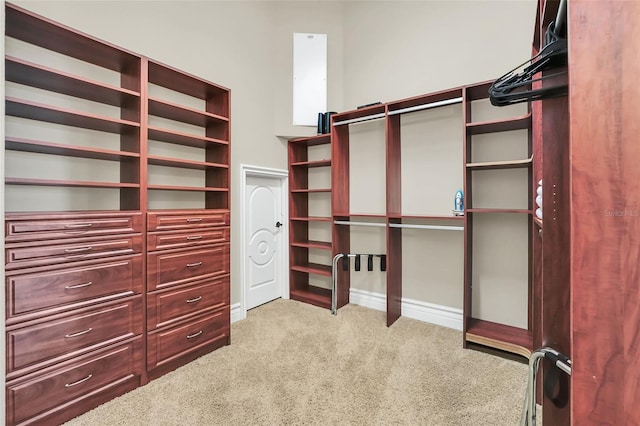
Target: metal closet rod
350,223
359,119
437,227
427,106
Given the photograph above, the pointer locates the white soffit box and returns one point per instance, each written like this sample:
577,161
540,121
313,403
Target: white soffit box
309,78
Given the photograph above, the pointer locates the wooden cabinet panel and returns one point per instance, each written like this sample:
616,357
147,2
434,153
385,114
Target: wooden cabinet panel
166,221
43,227
179,267
167,345
41,343
172,240
175,305
43,394
69,251
72,287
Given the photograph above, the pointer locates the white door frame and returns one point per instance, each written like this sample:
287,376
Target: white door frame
283,176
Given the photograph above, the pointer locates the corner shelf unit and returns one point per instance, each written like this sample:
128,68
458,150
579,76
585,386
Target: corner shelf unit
309,233
489,218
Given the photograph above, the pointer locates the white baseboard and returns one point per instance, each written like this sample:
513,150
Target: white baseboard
236,312
422,311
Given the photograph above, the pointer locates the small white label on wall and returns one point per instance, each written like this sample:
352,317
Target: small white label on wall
309,78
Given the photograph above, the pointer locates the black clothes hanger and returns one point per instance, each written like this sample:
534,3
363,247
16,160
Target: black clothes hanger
515,87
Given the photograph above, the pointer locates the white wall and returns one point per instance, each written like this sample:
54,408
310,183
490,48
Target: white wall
399,49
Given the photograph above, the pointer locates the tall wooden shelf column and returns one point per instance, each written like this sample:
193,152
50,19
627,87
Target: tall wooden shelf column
476,330
111,279
302,270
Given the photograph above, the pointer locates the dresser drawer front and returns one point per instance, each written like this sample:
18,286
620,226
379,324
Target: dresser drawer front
166,269
28,293
47,392
55,226
172,240
41,255
174,305
184,220
67,336
166,346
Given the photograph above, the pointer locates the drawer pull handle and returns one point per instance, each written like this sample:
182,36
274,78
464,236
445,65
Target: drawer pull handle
78,249
194,219
193,265
71,287
78,225
194,300
70,385
79,333
191,336
194,237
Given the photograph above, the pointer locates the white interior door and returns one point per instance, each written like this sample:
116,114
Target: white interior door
264,245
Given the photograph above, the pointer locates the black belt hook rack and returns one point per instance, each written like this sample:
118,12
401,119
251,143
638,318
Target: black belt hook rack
345,267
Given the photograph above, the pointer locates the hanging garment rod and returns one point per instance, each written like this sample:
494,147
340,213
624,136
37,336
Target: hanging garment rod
357,120
427,106
437,227
349,223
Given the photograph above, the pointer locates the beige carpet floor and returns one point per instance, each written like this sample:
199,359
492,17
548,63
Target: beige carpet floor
291,363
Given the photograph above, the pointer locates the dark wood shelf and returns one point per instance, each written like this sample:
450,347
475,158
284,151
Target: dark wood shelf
171,111
313,140
313,295
492,210
34,75
517,123
20,24
180,138
313,268
68,183
311,219
499,336
497,165
311,164
217,96
40,147
184,164
186,188
422,100
309,191
36,111
323,245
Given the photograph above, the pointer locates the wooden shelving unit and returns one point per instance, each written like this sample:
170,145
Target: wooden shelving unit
518,340
302,243
119,274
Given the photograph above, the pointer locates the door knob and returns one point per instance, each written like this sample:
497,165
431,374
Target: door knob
278,224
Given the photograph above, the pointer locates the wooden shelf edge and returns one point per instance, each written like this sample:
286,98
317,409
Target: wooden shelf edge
501,164
310,219
322,245
41,147
310,164
181,138
186,188
425,217
500,336
313,268
323,139
498,344
319,297
163,107
68,183
522,122
187,164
